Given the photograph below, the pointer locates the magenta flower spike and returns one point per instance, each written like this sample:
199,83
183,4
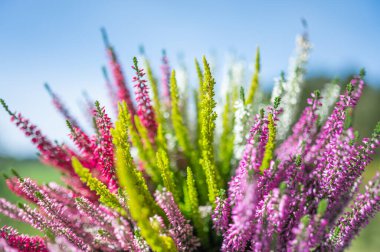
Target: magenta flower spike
60,106
145,110
22,242
123,92
104,152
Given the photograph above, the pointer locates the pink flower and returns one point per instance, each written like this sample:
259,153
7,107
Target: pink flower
145,110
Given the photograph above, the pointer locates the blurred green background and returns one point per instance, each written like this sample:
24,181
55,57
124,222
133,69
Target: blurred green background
365,117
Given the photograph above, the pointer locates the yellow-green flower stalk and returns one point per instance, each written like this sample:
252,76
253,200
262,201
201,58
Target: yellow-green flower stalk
149,151
200,227
167,174
182,134
140,202
206,141
180,129
226,143
160,139
198,98
255,79
199,73
270,145
105,196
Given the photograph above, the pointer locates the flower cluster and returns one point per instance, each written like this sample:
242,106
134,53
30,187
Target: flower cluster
153,181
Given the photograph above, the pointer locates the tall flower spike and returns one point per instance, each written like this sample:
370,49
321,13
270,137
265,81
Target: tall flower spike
180,129
120,81
180,229
165,73
111,90
255,79
270,145
241,229
207,117
329,95
194,206
85,144
60,106
222,212
105,196
144,108
52,154
140,202
167,174
226,146
156,95
248,162
119,231
294,84
303,131
334,125
243,115
365,206
10,210
104,151
15,186
37,220
55,211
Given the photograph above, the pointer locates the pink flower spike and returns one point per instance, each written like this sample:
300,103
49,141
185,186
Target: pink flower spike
145,110
22,243
165,71
123,93
60,106
104,153
221,214
180,229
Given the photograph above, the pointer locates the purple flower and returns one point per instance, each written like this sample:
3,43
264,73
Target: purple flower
221,214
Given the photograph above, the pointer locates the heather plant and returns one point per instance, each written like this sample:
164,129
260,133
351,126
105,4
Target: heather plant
160,178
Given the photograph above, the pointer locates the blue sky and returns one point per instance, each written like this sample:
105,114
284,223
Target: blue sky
60,42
